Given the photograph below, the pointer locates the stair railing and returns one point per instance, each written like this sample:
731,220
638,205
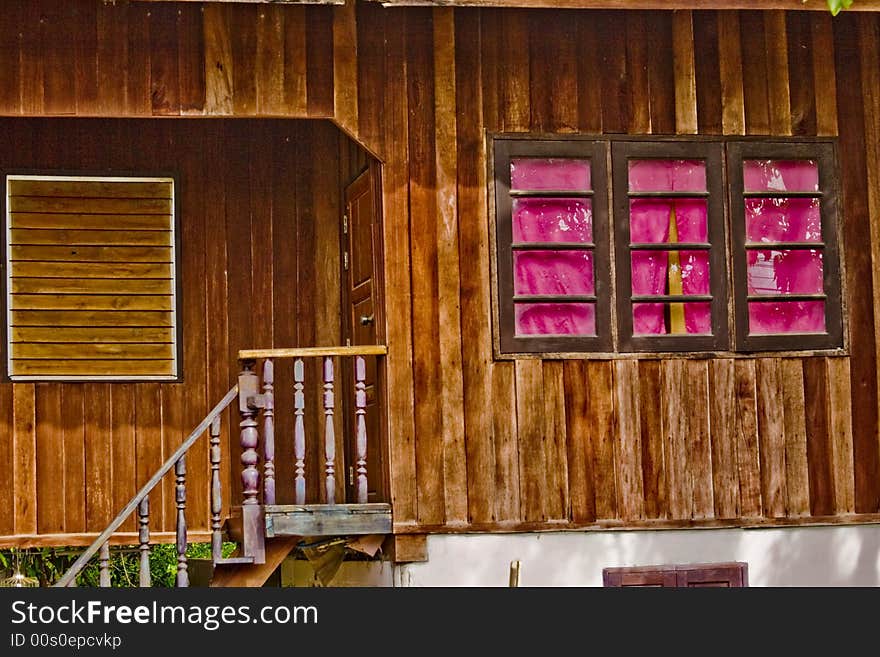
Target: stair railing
141,502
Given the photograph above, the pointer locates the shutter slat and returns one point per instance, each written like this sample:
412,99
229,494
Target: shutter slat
91,302
87,318
87,221
78,336
86,368
91,188
69,205
119,351
119,286
74,253
32,236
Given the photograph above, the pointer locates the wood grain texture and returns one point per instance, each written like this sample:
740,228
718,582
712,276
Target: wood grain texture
869,47
859,274
345,66
730,67
801,73
398,299
819,451
722,422
424,226
24,459
531,438
508,489
556,500
675,428
776,43
600,419
628,452
840,430
707,68
581,481
449,279
49,459
473,249
754,73
699,448
797,484
771,435
653,457
824,76
746,436
685,76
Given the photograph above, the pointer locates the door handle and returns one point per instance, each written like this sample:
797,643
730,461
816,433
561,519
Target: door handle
366,319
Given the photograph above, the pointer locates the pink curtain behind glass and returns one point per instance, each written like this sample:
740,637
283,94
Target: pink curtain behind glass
562,272
649,223
550,174
780,270
780,176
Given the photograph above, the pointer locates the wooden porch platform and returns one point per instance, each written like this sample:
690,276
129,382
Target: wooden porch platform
327,519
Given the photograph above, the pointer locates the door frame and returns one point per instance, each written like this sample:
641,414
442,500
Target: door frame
374,171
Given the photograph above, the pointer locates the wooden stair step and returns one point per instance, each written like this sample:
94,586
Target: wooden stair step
251,574
233,560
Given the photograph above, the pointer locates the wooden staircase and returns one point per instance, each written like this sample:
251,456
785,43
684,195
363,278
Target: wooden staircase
266,532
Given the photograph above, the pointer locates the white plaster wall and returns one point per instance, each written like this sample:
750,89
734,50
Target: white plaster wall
802,556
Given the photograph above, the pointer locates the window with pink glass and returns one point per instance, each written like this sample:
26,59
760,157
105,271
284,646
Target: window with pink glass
670,261
786,260
552,246
674,202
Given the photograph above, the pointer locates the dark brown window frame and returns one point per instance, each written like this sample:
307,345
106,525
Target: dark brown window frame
823,152
596,151
712,152
734,313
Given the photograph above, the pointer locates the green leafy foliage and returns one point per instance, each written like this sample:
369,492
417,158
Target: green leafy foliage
47,565
836,5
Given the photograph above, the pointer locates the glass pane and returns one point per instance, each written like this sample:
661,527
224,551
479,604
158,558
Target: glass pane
667,175
552,220
553,272
781,176
555,318
550,173
786,317
785,272
665,220
670,272
783,220
692,318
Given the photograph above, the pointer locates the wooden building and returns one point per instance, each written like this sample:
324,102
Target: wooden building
362,174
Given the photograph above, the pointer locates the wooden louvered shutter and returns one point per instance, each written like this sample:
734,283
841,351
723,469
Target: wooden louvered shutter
90,278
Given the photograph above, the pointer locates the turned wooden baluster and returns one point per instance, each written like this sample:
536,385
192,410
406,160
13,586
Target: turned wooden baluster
104,565
360,404
268,433
299,434
216,492
144,541
250,476
180,497
329,434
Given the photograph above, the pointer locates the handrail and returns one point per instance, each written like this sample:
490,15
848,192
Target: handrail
129,508
306,352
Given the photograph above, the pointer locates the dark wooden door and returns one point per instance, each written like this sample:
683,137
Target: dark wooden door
361,261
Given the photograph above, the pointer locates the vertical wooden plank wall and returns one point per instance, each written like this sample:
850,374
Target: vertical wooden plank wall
640,443
475,442
253,242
